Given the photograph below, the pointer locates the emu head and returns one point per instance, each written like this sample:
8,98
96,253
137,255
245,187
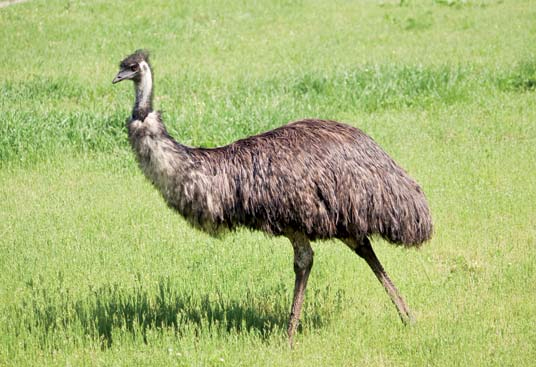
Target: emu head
133,67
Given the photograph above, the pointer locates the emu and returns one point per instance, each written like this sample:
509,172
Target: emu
307,180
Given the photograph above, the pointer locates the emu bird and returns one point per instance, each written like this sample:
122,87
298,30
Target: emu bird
307,180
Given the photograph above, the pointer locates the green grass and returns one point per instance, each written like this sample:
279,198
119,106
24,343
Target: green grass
96,270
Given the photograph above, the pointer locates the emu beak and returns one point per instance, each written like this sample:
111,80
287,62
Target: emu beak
122,75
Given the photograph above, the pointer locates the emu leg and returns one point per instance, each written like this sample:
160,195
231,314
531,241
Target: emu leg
365,250
303,262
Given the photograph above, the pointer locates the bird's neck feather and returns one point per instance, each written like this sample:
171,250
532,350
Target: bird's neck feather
161,158
144,93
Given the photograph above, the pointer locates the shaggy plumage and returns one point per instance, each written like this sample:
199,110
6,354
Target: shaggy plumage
321,178
308,180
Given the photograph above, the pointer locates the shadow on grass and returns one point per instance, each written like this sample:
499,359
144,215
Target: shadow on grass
137,310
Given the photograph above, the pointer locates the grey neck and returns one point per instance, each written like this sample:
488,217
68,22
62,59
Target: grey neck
144,93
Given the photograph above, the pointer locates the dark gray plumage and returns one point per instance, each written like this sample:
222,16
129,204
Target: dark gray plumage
308,180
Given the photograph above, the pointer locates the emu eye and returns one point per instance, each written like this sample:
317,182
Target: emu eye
134,67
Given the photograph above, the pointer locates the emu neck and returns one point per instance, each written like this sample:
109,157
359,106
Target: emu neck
144,94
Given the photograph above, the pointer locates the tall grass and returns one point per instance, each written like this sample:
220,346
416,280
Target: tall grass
50,118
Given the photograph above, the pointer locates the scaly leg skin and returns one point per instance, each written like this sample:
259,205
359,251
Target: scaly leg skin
365,251
303,262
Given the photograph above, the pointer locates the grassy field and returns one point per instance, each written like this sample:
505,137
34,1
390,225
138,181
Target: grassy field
96,270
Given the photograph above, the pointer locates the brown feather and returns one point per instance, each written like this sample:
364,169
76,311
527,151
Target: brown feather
322,178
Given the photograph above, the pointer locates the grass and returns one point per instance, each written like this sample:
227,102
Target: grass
98,271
